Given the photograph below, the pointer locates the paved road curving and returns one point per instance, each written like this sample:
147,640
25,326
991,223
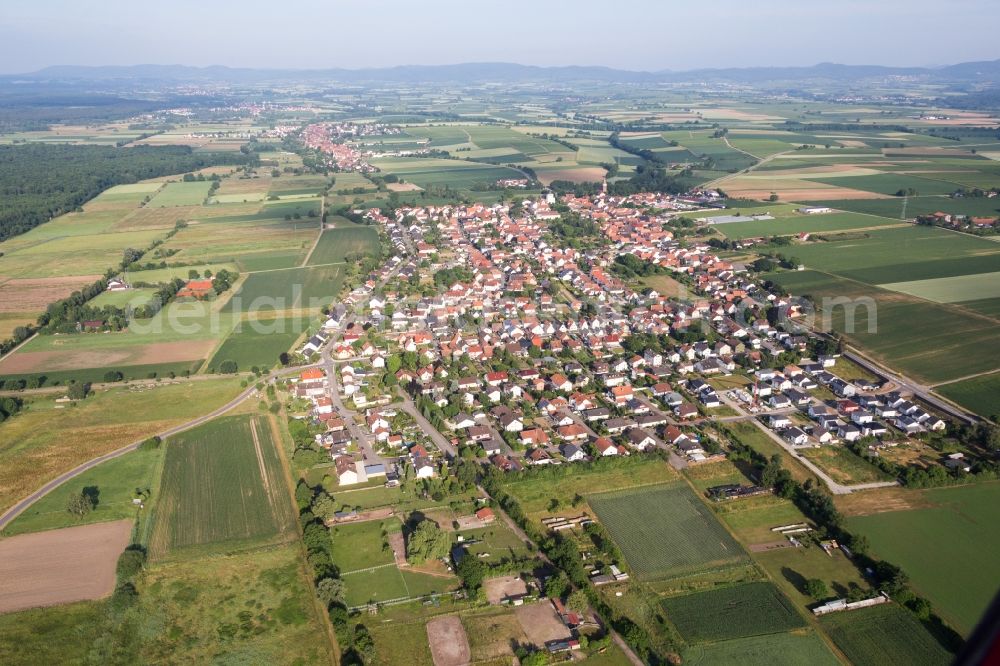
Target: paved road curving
21,506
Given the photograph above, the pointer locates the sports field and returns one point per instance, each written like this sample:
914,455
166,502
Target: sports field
868,635
665,530
732,612
222,484
927,543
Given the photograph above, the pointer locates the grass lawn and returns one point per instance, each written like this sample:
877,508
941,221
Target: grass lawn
791,567
222,484
360,546
665,530
35,448
732,612
884,634
382,584
958,527
792,649
751,519
116,482
121,299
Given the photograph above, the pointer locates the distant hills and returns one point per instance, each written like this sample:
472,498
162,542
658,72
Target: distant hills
984,72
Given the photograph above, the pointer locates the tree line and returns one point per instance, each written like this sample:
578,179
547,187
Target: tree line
39,182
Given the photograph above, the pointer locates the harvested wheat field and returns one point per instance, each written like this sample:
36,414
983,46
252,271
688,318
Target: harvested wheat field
35,294
28,362
449,644
60,566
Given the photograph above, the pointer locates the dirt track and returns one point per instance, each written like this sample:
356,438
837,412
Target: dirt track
60,566
449,644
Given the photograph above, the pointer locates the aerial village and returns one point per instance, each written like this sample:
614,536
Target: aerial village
521,351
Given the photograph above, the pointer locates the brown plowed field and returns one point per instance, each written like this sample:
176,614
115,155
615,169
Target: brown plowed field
60,566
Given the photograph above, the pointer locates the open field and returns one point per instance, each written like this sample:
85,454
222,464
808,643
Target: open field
115,482
792,649
55,634
789,225
456,173
222,484
867,635
335,244
927,542
665,530
29,297
34,571
979,394
252,607
977,286
293,288
535,493
844,466
732,612
181,194
261,348
34,447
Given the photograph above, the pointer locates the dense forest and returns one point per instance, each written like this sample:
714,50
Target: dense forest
39,182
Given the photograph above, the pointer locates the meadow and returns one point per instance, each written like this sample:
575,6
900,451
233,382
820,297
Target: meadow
35,448
116,482
536,492
665,531
361,545
928,542
335,244
867,635
732,612
222,485
253,607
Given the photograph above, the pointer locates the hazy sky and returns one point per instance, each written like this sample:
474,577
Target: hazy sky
632,34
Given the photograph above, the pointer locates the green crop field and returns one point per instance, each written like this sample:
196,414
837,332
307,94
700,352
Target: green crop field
787,226
798,649
978,286
336,244
181,194
897,255
928,542
289,289
920,205
936,342
890,183
979,394
222,484
732,612
665,530
884,634
251,347
456,173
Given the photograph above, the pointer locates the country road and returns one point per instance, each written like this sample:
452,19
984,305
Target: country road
19,508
